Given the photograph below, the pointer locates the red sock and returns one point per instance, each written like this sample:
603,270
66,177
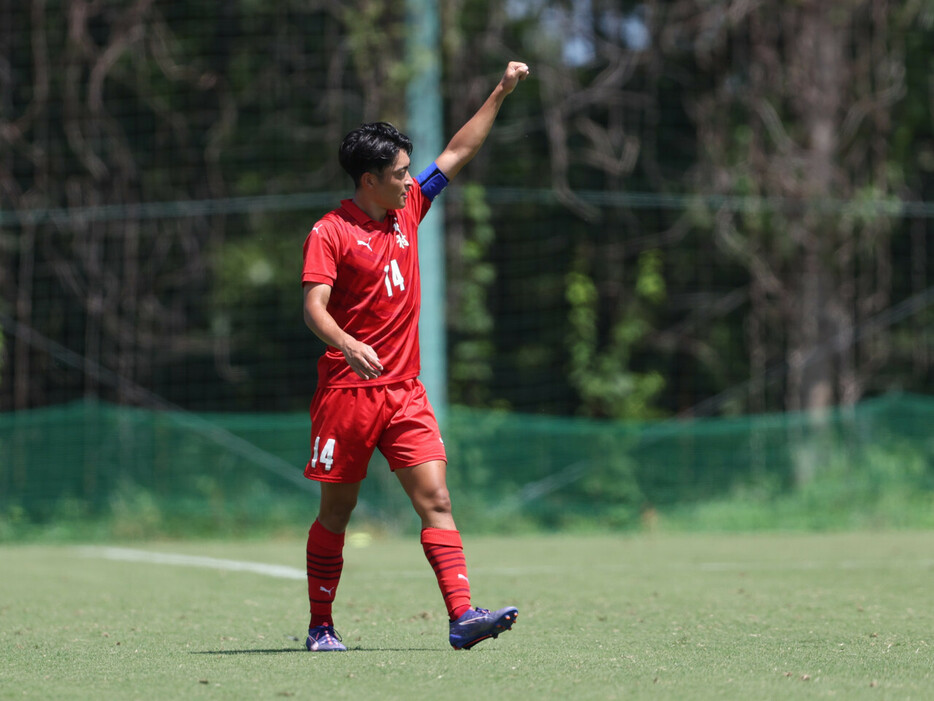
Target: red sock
445,553
324,563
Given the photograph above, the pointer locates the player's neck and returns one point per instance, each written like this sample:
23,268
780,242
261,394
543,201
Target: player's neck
370,208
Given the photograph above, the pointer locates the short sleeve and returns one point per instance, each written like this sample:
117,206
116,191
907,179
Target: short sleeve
321,254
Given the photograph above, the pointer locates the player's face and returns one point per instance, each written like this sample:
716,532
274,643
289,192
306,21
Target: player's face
393,184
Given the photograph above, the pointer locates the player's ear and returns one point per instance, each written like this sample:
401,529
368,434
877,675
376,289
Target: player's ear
369,180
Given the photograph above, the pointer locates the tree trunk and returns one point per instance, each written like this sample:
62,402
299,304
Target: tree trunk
817,64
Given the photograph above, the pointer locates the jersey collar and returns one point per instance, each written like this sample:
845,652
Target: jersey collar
363,219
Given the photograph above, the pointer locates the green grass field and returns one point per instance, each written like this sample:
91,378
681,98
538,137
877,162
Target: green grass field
601,617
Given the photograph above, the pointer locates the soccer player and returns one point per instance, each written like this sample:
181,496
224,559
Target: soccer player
362,297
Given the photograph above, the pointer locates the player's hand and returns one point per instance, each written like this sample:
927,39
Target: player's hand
515,71
362,359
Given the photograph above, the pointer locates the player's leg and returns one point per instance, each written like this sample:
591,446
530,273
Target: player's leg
325,548
340,452
426,486
324,562
427,489
412,444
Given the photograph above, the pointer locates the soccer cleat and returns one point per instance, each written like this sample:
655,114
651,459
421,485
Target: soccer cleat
324,639
479,624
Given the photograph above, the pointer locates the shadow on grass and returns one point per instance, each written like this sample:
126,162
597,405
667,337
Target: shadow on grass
270,651
279,651
301,649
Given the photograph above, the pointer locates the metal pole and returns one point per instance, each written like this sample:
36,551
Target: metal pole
425,127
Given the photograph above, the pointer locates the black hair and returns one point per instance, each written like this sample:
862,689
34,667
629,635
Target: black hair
371,148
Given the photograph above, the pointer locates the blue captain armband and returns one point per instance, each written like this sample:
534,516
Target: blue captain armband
432,181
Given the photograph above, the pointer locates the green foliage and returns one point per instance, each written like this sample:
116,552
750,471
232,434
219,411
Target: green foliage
134,513
253,271
192,103
881,487
470,322
262,346
600,369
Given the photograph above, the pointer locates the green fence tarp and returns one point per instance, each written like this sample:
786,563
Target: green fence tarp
91,458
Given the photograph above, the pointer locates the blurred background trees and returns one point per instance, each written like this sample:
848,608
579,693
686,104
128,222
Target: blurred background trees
691,207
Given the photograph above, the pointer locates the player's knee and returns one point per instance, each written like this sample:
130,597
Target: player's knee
436,501
334,521
335,514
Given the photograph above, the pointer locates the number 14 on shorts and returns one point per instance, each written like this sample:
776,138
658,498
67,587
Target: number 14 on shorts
326,456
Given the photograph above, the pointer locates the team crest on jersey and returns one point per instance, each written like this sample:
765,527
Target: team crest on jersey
400,237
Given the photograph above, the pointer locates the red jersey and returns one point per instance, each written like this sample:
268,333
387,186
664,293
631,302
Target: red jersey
372,268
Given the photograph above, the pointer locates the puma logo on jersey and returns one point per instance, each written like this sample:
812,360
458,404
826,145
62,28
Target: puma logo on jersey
365,243
329,592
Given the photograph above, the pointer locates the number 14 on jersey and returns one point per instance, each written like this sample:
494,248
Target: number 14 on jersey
393,277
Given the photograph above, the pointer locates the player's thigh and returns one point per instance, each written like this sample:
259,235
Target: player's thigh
426,484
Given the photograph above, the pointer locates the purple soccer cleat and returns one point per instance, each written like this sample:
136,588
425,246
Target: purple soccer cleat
324,639
479,624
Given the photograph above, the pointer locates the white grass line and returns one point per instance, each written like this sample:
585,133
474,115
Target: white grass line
285,572
280,571
146,556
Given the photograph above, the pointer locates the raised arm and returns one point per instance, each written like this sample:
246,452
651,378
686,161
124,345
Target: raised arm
470,137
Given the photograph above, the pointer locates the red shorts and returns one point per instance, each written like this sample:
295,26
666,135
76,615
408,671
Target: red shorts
347,423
